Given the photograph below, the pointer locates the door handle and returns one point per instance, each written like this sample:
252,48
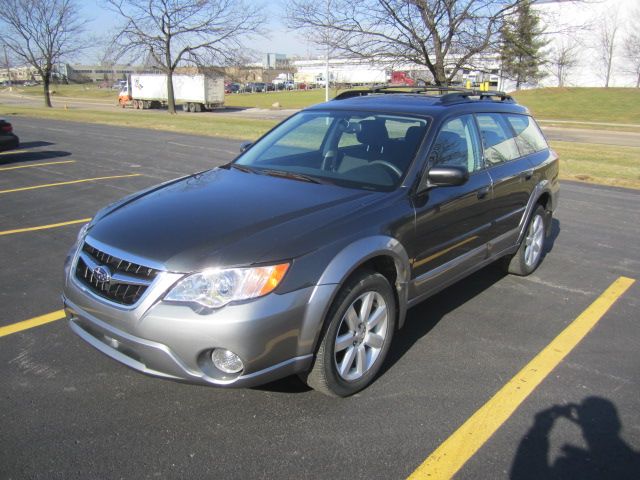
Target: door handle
483,192
527,174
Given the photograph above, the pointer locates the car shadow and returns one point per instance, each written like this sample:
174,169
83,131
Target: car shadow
422,318
606,454
552,237
290,384
26,145
20,155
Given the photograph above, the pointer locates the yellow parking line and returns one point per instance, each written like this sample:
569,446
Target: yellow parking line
9,152
454,452
33,322
69,183
44,227
36,165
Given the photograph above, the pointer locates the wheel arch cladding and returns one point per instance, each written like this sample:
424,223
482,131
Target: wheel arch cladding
381,253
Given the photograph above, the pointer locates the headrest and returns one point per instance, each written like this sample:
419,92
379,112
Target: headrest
414,135
372,132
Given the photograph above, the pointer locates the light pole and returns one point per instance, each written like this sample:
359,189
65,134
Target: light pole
326,64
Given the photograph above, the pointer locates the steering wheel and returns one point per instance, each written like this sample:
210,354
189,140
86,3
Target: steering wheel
389,165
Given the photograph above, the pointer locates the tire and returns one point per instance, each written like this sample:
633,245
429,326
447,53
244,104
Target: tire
192,107
197,107
529,254
354,343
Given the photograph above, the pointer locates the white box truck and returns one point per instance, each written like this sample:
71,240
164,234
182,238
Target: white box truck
196,93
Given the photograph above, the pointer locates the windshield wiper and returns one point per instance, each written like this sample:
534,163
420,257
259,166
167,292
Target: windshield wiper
242,168
291,175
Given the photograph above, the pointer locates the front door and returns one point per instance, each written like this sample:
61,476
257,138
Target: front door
452,223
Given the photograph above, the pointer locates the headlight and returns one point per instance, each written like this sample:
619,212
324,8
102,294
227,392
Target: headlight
83,232
216,288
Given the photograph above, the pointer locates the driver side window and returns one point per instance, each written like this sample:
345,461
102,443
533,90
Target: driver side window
457,145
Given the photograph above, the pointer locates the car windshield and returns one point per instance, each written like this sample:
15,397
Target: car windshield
353,149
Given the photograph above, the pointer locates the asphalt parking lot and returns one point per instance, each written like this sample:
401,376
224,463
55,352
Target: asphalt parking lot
67,411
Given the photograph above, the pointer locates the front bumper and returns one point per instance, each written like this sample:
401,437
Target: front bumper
274,335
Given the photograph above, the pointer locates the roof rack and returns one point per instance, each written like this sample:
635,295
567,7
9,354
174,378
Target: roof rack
481,94
448,95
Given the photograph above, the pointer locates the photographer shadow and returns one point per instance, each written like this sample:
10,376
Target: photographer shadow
606,455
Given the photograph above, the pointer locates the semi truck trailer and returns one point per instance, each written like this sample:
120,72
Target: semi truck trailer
196,93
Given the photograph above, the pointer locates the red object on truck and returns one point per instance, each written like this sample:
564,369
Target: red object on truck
402,78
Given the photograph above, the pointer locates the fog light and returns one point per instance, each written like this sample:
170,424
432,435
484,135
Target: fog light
226,360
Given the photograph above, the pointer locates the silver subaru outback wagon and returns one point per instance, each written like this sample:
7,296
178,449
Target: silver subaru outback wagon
303,255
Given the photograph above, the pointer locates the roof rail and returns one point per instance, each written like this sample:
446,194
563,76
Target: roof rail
448,95
481,94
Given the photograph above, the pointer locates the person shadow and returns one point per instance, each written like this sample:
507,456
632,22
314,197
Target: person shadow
606,455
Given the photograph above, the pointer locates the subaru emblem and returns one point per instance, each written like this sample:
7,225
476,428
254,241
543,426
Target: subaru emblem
102,274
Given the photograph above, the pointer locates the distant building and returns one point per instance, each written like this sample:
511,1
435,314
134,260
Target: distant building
99,73
19,75
277,61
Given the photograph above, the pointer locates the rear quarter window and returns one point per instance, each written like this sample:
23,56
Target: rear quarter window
529,138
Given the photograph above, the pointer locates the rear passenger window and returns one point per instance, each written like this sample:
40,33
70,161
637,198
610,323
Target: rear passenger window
498,141
529,138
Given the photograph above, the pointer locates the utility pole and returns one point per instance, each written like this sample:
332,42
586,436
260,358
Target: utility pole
6,62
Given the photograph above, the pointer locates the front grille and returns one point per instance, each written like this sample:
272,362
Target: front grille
128,280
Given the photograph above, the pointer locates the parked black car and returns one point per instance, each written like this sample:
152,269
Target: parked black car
303,255
8,139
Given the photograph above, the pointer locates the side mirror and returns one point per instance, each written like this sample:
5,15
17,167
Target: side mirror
244,146
446,177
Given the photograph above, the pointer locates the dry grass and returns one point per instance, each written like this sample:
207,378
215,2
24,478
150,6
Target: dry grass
602,164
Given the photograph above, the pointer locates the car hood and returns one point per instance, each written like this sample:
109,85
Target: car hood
225,217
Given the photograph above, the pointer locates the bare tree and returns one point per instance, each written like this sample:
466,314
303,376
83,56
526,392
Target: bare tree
175,32
562,59
607,33
41,33
632,55
632,47
443,35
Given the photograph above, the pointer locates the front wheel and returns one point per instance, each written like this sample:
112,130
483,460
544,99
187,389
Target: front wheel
356,340
529,255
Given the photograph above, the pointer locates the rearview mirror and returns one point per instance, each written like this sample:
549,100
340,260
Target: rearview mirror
244,146
447,176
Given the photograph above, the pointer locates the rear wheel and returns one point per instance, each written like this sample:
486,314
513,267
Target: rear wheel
529,255
357,337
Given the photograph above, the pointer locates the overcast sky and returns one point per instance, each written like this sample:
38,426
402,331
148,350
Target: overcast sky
103,21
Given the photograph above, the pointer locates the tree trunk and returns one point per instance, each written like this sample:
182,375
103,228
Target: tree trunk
638,81
171,102
46,78
439,74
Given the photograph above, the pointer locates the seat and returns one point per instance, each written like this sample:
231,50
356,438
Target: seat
373,138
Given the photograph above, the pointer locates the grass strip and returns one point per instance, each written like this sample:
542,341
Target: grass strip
210,125
602,164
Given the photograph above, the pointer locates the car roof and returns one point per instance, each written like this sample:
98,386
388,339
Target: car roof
422,104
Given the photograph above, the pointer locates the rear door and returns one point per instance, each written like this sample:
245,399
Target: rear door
511,174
